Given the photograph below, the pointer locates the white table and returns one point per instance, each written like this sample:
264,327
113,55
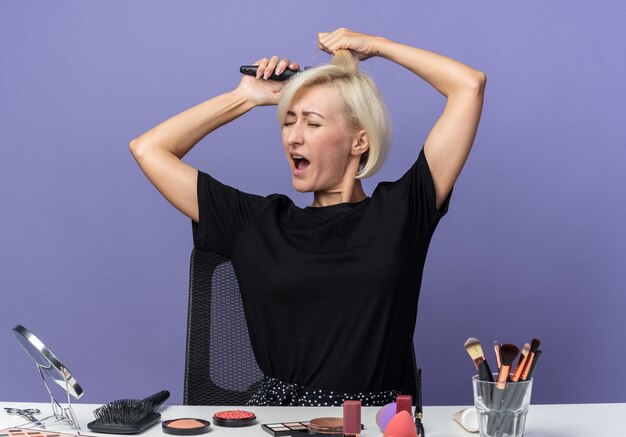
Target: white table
575,420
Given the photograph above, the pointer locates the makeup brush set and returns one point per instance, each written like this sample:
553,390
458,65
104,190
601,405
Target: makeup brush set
502,398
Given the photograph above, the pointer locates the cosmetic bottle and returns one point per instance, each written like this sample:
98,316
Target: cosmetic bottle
352,418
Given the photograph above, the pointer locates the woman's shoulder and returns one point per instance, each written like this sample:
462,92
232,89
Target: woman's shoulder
387,186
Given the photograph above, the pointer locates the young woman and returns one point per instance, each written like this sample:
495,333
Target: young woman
330,291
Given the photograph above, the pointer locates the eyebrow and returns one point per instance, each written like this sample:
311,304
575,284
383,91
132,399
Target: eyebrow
306,113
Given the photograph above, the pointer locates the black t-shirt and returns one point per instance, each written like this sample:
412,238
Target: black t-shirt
330,293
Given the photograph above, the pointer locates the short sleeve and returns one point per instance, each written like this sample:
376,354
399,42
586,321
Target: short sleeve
417,188
223,213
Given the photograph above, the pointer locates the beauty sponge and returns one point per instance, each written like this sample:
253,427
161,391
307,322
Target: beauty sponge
384,415
401,425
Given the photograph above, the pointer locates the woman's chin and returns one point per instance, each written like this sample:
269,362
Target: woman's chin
302,188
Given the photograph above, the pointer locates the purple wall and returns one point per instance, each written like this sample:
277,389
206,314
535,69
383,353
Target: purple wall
95,262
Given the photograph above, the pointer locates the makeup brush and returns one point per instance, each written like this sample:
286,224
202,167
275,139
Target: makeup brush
516,397
521,363
496,349
475,351
534,363
508,352
534,345
418,406
128,416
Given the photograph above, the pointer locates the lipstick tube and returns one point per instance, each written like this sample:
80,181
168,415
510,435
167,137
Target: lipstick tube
352,418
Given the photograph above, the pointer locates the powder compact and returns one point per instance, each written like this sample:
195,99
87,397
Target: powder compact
234,418
186,426
326,425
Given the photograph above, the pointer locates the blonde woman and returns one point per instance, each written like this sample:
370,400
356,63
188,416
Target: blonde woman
330,291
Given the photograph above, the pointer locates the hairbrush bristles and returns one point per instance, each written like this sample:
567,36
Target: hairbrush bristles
128,416
124,411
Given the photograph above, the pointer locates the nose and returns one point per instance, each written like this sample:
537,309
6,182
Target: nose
295,135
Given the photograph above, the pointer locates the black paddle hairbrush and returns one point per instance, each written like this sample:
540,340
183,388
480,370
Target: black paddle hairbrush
128,416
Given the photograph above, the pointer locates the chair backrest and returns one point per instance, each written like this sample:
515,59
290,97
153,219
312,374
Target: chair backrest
220,367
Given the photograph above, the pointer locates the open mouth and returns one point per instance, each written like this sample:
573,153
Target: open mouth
300,163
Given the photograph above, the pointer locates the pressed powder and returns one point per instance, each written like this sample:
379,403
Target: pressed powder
186,426
286,429
234,418
326,425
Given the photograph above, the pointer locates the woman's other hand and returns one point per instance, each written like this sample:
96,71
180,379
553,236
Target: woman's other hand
260,91
363,45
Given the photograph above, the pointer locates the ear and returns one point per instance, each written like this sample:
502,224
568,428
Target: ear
361,143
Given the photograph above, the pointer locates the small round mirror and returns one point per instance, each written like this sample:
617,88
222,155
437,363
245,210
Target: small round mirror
47,362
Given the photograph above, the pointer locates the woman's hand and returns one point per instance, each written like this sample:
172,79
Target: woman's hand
363,45
260,90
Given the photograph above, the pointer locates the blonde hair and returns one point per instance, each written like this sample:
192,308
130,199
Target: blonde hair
365,108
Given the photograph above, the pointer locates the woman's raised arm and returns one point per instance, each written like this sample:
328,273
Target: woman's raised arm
159,151
449,142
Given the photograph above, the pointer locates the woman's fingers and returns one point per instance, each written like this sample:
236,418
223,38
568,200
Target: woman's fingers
342,38
261,66
331,41
323,40
265,66
285,64
282,66
271,66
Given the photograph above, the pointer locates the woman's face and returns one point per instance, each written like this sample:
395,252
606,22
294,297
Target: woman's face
317,140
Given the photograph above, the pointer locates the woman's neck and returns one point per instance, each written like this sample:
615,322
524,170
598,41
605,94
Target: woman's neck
352,194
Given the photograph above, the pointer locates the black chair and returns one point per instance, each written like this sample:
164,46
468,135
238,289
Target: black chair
220,368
